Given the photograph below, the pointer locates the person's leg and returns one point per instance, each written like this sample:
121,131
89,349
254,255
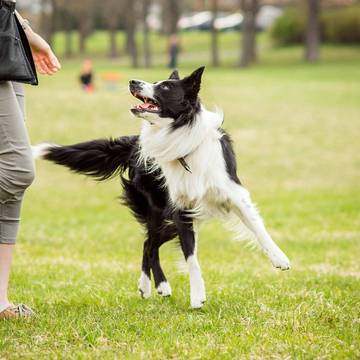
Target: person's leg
16,174
6,252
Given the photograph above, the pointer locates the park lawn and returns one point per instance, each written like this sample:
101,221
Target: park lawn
296,130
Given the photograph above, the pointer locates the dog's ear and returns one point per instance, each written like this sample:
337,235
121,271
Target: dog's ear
174,75
192,82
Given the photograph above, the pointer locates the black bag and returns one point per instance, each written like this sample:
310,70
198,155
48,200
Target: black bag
16,62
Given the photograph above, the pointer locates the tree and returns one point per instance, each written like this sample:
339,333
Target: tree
248,44
112,10
84,27
48,19
81,14
67,21
214,35
312,37
171,15
68,35
146,41
131,32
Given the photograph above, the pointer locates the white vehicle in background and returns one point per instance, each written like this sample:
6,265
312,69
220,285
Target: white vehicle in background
266,16
229,22
196,21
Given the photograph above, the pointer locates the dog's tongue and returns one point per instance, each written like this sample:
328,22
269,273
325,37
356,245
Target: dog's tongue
147,106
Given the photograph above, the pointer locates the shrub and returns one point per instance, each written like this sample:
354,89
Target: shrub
289,28
336,26
342,26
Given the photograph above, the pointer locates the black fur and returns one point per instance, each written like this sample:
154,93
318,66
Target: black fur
101,159
229,156
143,191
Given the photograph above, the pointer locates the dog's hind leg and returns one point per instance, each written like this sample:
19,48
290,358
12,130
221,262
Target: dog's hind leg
249,215
157,235
144,281
162,286
187,237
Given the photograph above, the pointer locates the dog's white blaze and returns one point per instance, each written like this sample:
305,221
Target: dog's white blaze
147,89
197,286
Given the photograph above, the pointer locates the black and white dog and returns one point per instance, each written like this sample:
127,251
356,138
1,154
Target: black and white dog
181,169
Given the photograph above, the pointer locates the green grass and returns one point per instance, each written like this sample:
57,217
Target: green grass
296,130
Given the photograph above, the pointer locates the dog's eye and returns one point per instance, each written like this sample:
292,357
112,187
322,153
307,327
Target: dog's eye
164,87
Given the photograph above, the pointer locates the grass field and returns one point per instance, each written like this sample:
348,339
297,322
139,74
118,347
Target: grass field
296,130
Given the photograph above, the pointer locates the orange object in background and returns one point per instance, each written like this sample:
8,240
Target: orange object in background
111,80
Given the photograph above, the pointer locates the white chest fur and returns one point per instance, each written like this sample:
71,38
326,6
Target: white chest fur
208,182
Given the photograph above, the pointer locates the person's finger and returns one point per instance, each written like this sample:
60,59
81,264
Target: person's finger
39,66
45,67
54,62
50,65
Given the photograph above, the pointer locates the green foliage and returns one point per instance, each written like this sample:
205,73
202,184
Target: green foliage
342,26
289,28
336,26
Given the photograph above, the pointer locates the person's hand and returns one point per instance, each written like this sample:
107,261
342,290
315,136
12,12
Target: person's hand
45,60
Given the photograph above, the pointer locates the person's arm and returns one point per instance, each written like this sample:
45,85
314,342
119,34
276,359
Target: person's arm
45,60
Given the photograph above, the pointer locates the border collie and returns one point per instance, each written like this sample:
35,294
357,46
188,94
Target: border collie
180,170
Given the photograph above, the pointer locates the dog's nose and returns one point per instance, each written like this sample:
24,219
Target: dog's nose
134,82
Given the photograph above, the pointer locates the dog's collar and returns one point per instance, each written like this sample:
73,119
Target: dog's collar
184,164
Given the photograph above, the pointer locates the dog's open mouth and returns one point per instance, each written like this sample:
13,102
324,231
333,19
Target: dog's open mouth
149,105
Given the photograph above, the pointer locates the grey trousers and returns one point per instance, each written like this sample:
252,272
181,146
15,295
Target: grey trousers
16,162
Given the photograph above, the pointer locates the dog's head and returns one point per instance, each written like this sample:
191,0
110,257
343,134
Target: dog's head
173,100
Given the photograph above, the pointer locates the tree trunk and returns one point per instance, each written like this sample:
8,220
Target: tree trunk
248,43
85,23
54,18
113,53
312,38
214,35
171,14
133,50
68,36
82,42
131,34
147,53
48,20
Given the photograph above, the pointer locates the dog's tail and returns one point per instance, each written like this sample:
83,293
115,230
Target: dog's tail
102,159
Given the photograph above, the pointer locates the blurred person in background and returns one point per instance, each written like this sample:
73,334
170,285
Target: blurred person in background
173,50
16,163
87,77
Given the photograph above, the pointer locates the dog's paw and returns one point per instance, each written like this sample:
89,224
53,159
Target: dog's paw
144,286
279,260
164,289
197,303
198,295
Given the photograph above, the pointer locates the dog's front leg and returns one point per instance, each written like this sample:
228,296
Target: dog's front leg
248,213
187,237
